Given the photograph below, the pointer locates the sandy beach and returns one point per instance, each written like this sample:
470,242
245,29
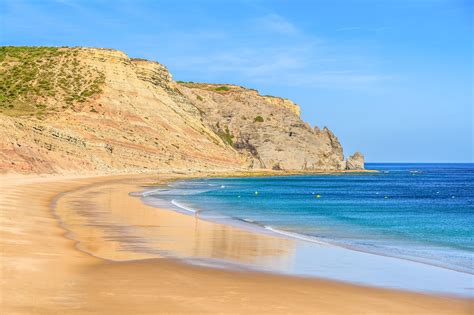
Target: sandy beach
57,259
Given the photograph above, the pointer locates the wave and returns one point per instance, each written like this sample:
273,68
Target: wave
177,204
174,191
256,224
249,224
296,235
152,192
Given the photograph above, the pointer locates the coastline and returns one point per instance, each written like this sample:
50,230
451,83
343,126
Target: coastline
337,262
44,272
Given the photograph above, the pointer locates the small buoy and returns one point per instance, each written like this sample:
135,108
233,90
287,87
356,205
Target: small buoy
437,192
386,197
318,196
312,193
256,192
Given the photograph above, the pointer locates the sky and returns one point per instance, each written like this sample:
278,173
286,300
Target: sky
392,79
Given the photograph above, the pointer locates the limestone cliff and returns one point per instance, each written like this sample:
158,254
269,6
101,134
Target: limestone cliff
81,109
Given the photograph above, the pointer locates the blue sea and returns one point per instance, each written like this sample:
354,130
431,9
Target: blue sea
418,212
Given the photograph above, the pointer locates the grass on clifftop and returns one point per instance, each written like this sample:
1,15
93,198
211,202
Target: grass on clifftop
222,88
35,81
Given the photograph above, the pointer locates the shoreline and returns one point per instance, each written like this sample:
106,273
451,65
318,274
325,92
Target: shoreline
258,228
239,223
44,272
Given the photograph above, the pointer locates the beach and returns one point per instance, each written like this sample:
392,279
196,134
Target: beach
56,258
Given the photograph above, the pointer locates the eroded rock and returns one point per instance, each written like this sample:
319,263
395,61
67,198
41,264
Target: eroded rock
355,161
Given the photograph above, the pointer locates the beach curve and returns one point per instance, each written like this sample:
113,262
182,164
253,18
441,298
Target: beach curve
43,272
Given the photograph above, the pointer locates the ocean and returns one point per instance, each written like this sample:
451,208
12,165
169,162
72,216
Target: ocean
415,212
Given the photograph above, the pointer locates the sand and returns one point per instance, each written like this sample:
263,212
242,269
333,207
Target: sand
62,261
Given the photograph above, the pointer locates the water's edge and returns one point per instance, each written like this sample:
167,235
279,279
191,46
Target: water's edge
255,227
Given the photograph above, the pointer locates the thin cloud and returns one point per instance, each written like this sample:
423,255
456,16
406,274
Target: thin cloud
288,67
69,3
251,62
278,24
338,80
350,28
358,28
303,60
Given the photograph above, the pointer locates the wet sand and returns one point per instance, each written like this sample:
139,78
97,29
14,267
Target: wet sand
73,259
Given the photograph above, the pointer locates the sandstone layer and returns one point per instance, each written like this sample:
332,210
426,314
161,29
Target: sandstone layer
83,109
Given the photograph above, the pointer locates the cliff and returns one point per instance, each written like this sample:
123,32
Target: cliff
80,109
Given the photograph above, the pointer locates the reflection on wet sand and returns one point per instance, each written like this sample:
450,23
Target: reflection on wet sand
110,224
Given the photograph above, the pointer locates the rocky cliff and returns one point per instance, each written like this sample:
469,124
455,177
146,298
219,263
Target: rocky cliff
81,109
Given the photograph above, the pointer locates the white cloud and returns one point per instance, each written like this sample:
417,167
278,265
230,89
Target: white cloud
250,62
358,28
69,3
350,28
339,79
266,58
277,23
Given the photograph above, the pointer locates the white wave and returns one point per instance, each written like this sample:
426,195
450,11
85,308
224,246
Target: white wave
154,192
176,191
296,235
177,204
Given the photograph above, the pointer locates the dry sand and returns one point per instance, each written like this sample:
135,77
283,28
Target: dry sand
45,270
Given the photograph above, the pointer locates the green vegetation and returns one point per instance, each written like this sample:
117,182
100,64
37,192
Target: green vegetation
225,135
199,98
184,82
273,96
31,77
258,119
222,88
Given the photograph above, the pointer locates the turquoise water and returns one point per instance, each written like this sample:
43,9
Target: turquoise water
420,212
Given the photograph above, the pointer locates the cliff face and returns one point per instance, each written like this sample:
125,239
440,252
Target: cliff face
78,109
265,128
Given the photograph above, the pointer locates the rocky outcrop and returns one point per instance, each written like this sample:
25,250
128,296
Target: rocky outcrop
355,162
266,129
133,116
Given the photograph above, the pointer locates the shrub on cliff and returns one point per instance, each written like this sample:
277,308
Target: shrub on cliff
44,75
222,88
226,136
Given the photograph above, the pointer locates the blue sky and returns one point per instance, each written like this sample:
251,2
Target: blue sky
393,79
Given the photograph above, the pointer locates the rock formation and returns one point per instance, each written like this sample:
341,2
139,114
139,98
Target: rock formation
355,162
81,109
